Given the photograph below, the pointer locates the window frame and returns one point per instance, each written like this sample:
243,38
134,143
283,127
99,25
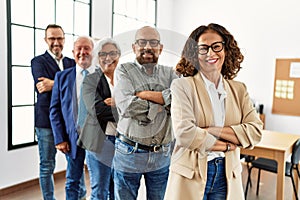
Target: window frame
10,65
131,17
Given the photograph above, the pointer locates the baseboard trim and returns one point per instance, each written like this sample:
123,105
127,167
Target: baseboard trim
27,184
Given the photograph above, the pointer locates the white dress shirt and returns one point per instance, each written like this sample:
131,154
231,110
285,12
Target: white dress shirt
58,61
217,97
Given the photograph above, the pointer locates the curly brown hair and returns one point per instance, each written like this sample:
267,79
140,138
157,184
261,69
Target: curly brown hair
188,65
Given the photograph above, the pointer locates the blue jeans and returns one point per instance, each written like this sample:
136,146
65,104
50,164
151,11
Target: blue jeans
75,185
47,152
130,164
216,184
100,171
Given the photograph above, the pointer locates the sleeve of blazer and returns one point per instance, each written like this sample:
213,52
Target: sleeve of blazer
44,66
36,69
249,129
56,117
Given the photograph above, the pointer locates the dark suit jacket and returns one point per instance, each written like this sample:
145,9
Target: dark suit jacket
45,66
95,91
63,109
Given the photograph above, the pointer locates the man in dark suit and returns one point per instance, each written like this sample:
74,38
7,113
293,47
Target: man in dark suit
44,68
64,113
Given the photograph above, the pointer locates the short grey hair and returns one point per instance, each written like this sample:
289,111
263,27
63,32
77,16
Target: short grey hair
84,37
99,45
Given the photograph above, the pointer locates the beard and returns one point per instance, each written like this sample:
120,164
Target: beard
147,61
57,50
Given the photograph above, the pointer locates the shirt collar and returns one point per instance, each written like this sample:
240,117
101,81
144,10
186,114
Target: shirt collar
53,56
90,69
209,84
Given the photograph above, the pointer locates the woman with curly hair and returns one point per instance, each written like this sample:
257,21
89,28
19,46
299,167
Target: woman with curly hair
212,118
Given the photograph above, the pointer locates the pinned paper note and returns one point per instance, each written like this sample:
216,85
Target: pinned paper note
284,89
295,70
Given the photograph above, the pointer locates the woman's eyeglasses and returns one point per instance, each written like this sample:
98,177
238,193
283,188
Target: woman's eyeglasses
216,47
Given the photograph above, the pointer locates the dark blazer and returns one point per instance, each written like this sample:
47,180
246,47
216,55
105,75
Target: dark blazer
95,91
45,66
63,109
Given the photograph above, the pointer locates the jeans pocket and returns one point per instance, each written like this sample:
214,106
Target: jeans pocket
167,150
124,148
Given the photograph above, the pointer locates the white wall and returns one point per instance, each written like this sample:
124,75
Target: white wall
101,18
265,30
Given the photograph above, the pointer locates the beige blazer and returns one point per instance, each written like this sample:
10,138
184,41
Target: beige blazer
191,109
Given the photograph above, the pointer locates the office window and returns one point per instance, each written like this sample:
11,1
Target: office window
129,15
27,20
132,14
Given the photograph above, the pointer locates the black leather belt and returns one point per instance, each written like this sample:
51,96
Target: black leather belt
153,148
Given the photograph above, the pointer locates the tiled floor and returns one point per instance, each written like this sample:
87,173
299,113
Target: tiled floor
267,189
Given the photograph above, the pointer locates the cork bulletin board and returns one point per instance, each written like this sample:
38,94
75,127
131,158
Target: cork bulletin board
286,95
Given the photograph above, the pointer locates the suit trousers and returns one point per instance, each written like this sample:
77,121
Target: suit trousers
75,184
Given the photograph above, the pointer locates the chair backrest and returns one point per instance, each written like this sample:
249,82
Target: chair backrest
296,152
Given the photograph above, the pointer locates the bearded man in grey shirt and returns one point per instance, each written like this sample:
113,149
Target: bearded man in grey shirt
142,96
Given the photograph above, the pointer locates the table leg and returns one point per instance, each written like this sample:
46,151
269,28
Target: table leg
280,175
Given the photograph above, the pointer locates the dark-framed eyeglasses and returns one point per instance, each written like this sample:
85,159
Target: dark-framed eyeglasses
143,42
112,54
216,47
52,39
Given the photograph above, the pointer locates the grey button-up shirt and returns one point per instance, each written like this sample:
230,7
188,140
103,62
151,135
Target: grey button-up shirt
143,121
